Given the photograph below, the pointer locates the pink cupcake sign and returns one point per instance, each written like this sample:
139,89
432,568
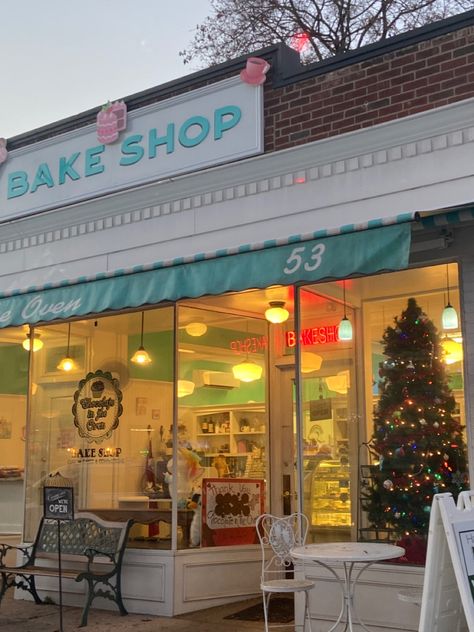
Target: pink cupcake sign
111,120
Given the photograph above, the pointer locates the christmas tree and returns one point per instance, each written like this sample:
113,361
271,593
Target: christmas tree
418,443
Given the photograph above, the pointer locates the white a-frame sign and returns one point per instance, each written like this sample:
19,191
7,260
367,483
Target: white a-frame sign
448,589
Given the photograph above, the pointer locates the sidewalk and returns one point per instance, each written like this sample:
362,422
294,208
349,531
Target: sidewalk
26,616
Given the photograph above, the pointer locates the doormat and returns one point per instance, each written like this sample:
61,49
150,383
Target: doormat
281,610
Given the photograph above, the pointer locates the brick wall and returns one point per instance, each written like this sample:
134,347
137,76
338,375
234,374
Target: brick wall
420,77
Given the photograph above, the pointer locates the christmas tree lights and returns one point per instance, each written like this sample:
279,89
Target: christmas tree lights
417,442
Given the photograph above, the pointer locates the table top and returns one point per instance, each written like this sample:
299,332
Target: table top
348,552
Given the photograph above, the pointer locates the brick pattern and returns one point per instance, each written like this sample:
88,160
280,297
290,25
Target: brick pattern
427,75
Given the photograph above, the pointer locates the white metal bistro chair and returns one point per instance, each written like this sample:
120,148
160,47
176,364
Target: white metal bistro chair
278,535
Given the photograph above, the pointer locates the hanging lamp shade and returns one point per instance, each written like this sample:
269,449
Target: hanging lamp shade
449,317
185,387
247,371
67,363
345,329
276,312
33,342
196,329
141,355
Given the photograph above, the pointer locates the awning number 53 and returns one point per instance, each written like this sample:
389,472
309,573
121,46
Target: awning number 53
301,257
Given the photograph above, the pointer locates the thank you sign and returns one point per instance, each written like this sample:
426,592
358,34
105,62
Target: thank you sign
58,503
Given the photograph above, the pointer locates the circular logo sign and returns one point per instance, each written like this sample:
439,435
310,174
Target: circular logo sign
97,406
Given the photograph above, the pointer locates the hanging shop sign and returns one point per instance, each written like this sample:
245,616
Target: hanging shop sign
339,256
215,124
96,410
58,503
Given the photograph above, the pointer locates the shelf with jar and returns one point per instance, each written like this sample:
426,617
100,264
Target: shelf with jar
238,431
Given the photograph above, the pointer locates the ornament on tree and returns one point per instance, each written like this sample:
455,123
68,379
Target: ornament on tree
412,446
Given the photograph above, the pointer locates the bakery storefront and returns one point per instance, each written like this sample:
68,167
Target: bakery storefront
212,377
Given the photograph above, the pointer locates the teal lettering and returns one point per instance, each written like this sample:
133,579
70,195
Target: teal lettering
155,141
43,177
66,168
199,121
93,166
226,118
17,184
132,150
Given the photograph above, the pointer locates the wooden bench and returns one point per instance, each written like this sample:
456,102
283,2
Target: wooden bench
91,549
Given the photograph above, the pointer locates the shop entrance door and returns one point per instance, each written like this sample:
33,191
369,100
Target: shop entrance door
283,492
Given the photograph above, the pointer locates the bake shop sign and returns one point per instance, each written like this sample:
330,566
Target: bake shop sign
97,406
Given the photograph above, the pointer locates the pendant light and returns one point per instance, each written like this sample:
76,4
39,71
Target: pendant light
276,312
67,363
345,326
141,356
248,370
196,329
449,317
33,342
185,388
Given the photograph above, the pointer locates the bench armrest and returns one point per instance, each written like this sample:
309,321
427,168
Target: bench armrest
6,548
91,553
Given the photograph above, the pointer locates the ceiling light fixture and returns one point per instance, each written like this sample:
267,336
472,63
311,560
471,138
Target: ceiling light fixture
33,342
248,370
345,326
141,356
67,363
185,387
276,313
310,362
196,329
449,317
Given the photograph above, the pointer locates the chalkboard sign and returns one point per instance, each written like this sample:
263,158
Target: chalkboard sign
58,503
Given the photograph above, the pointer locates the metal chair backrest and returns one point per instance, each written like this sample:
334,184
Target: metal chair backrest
278,535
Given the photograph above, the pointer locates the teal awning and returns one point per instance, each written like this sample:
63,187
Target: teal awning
350,252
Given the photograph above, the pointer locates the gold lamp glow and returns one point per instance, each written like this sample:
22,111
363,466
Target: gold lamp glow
67,363
449,317
196,329
141,356
247,371
33,342
345,326
185,387
452,351
276,312
339,383
310,362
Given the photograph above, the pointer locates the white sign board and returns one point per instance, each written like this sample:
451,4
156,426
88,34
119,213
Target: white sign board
212,125
448,589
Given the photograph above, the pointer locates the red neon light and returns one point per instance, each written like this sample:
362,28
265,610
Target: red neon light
314,336
249,345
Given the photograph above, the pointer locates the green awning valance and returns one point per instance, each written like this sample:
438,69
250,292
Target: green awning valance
329,257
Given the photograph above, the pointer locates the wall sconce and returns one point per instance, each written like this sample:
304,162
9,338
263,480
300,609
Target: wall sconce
196,329
276,312
141,356
67,363
33,342
345,326
449,317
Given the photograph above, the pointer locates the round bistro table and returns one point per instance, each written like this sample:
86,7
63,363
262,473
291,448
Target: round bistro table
349,554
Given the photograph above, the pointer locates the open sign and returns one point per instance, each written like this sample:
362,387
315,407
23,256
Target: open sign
58,503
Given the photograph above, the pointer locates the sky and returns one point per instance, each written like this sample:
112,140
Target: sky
60,58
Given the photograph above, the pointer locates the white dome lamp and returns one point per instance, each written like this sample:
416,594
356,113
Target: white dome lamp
449,317
345,326
276,313
33,342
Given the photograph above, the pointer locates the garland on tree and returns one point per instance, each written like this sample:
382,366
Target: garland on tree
417,440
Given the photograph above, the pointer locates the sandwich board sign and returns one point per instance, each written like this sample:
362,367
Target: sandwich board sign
448,590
